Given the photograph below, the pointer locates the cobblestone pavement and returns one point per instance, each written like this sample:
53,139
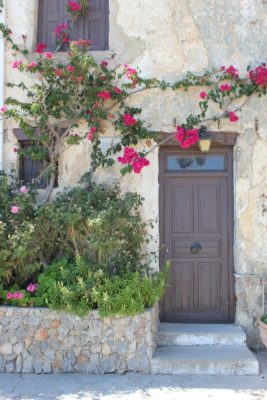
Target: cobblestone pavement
135,386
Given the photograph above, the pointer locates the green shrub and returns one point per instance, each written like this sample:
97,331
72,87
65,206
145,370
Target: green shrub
19,248
79,287
99,225
129,294
264,318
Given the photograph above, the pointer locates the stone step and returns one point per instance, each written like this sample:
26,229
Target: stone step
200,334
208,360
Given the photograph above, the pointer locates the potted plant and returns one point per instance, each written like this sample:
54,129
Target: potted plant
263,329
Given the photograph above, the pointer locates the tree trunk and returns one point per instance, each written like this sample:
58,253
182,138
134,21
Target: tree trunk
49,189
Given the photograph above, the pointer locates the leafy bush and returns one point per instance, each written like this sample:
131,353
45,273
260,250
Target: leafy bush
78,287
97,224
18,246
264,318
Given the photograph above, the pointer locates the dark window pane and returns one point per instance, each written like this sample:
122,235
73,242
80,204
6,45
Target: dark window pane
195,163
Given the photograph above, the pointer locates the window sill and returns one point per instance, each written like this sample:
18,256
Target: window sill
98,55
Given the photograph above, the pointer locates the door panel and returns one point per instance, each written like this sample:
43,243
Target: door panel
196,238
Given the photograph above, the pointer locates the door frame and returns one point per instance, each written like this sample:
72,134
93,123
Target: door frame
222,146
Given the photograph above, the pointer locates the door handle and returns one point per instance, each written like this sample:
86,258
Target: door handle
195,248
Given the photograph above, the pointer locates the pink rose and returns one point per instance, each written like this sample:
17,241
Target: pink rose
70,68
203,95
117,90
3,109
232,116
225,88
31,65
40,48
32,287
48,55
16,64
18,295
128,120
104,95
90,135
23,190
15,209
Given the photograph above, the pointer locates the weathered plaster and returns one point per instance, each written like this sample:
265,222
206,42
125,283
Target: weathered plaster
165,38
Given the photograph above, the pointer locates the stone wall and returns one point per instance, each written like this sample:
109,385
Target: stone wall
39,340
166,38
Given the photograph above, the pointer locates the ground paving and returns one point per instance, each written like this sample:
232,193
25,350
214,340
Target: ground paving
135,386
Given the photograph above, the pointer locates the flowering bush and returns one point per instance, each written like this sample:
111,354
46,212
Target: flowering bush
79,287
19,248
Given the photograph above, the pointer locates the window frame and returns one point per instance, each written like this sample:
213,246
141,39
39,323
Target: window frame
40,28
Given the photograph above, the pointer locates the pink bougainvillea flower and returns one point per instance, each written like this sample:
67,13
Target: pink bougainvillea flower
16,64
58,72
81,42
187,138
32,287
48,55
73,6
129,154
104,63
131,157
90,135
128,120
222,68
15,150
232,71
15,209
203,95
259,75
70,68
104,95
40,48
117,90
232,116
131,73
23,190
31,65
225,87
139,164
18,295
3,109
9,296
59,30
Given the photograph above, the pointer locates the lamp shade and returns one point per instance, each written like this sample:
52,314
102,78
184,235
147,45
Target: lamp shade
204,143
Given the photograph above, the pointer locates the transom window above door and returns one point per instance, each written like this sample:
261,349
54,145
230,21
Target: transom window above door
200,162
92,26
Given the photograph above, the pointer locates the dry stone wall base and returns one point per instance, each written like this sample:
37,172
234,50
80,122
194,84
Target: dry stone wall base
35,340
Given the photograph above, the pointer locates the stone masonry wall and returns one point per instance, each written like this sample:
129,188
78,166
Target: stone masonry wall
39,340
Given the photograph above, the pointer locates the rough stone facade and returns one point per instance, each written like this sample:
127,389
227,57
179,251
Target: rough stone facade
166,38
44,341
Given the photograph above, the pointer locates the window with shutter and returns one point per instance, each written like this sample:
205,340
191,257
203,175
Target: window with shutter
92,26
30,170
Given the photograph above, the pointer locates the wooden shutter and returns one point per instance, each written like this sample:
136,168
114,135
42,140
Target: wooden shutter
92,26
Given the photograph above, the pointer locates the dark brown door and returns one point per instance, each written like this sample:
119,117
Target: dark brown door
196,234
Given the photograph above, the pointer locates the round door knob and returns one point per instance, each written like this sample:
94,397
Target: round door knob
195,248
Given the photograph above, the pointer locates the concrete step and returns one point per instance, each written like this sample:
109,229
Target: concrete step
200,334
208,360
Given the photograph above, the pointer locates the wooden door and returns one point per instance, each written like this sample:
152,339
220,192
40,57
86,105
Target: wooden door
196,235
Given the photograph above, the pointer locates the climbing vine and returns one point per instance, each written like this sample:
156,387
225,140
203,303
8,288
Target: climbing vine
65,95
